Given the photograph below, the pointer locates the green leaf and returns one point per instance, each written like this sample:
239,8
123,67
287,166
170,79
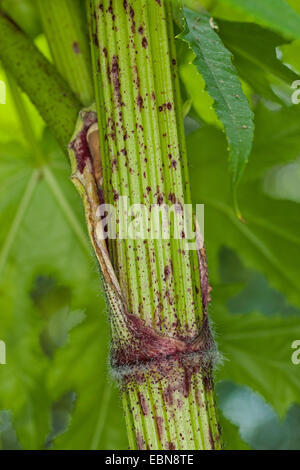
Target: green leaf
81,366
276,139
213,61
294,4
18,392
258,347
8,438
270,223
230,435
194,84
258,423
282,181
291,55
258,66
275,14
47,279
258,351
254,293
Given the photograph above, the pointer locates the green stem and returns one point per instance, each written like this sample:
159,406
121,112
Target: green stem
39,79
169,403
64,24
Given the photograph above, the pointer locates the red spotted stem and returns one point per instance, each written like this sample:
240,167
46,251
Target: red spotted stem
162,347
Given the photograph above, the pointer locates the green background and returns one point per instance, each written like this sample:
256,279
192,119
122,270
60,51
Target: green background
56,390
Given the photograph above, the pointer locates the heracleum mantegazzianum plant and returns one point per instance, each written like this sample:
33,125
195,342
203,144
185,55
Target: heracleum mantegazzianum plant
157,292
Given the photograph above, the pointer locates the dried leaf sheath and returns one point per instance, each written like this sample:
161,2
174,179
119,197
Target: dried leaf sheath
161,344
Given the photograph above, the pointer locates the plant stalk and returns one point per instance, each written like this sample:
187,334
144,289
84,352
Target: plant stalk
64,24
39,79
167,395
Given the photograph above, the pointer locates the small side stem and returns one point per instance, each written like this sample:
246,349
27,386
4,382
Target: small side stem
39,79
64,24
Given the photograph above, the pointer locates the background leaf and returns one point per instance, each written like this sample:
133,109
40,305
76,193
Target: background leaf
270,223
258,352
276,14
258,66
258,424
258,348
47,277
214,63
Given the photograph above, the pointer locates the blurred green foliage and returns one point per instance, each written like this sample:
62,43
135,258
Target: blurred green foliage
24,13
56,389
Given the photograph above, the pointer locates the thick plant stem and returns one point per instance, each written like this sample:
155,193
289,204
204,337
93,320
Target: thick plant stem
168,397
64,24
39,79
